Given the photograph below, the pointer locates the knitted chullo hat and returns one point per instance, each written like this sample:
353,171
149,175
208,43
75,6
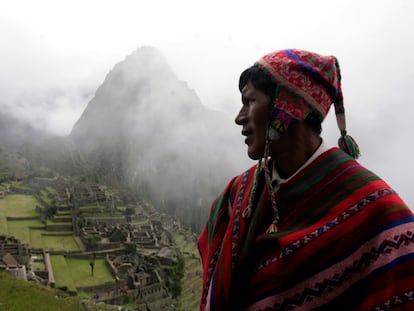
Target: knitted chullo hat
306,82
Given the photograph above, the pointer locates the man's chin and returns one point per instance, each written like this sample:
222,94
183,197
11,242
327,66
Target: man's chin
254,155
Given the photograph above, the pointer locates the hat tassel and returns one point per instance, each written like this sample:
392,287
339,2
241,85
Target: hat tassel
349,145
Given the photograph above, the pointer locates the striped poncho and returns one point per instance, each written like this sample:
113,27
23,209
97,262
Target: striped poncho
344,242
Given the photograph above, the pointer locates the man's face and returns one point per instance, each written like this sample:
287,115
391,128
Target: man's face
254,117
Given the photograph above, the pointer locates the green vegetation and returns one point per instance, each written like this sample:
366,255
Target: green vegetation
18,205
90,209
62,273
20,229
3,185
73,272
33,232
53,243
45,197
64,213
51,190
54,223
20,295
191,283
173,277
183,281
91,241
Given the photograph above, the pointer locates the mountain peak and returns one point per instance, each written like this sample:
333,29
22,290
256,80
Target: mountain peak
149,128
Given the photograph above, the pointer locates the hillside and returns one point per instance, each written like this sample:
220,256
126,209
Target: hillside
18,295
53,228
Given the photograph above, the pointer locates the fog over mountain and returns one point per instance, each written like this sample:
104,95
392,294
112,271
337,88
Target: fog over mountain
149,128
15,132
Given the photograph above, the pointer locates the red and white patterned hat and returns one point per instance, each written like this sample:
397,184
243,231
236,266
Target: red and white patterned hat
306,82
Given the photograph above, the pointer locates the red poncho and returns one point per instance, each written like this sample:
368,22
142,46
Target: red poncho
344,242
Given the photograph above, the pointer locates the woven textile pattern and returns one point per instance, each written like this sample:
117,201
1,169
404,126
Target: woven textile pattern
345,242
307,82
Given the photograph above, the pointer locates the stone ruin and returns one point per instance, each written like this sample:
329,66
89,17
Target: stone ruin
14,257
137,275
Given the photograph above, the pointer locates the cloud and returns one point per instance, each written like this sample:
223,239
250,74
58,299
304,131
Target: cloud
54,56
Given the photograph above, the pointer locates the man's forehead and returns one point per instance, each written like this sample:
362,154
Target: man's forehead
248,89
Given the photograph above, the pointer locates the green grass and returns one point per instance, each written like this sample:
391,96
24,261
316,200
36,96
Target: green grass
104,216
20,295
45,197
3,186
62,272
51,190
3,225
72,272
53,243
39,266
20,229
64,213
179,238
60,218
18,205
57,223
90,208
191,282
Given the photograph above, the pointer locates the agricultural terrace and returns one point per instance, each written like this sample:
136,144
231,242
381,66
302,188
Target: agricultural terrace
74,272
16,205
29,229
47,193
192,280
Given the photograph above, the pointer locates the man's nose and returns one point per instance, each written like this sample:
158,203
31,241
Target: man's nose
241,117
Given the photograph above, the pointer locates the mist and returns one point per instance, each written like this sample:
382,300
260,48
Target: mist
147,130
55,57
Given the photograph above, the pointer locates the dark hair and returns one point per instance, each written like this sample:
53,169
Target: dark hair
259,79
265,83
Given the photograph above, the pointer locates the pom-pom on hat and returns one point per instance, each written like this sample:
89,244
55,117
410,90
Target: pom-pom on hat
306,82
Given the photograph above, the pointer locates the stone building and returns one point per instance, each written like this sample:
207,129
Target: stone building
14,257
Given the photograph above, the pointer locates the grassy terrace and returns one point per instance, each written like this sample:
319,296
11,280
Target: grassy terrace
33,233
191,282
60,218
91,209
18,295
55,223
16,205
73,273
30,231
51,190
45,197
3,186
64,213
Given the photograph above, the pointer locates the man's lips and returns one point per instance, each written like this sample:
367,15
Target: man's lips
247,134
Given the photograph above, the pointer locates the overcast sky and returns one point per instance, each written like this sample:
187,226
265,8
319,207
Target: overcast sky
54,55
